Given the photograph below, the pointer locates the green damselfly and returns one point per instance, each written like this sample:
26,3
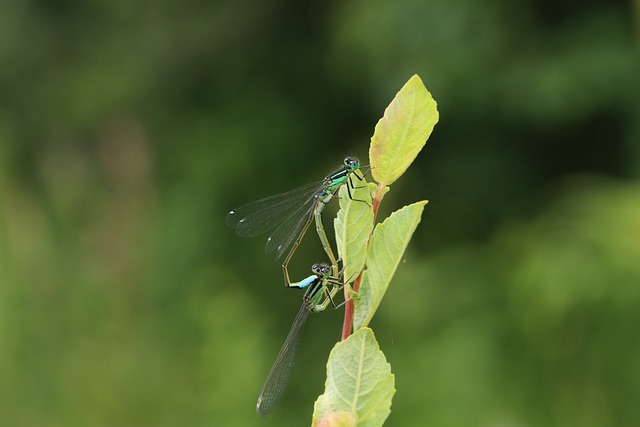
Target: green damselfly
288,215
321,288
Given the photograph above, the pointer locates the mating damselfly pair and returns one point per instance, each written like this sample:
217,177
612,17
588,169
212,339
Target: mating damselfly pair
288,217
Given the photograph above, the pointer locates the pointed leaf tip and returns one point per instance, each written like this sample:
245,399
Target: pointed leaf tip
402,132
388,243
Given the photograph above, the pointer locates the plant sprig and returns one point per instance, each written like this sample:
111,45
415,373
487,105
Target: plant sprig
360,385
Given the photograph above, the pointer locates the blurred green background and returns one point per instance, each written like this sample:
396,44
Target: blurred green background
129,129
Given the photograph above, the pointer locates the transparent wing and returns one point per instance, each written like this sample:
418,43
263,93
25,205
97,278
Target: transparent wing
296,223
279,375
266,214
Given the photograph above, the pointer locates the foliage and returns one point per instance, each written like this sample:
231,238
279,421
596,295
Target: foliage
388,243
359,384
402,131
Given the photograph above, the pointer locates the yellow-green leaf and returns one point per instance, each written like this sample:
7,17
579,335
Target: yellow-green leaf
359,385
387,245
353,225
402,131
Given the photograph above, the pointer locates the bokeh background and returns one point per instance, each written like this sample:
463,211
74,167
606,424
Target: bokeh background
129,129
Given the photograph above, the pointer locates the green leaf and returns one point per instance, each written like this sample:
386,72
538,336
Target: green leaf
359,385
387,245
353,226
402,131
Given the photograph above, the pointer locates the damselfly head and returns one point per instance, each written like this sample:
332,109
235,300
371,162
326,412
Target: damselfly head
320,269
352,163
